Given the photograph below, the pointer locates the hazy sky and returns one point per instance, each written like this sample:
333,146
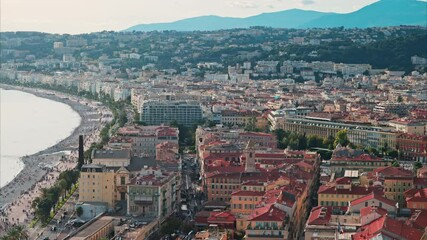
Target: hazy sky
82,16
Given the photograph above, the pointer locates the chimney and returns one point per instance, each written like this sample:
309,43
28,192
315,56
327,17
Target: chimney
81,150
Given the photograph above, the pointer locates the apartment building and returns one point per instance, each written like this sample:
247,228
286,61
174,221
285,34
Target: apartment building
97,184
363,135
156,112
153,193
146,138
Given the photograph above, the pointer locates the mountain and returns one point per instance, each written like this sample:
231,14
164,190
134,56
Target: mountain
284,19
379,14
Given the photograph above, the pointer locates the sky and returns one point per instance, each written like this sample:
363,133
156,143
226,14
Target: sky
85,16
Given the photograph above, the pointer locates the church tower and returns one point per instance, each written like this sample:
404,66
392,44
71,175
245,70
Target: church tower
250,157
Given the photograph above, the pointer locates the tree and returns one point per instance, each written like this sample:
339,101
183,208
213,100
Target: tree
341,138
329,142
314,141
395,164
393,154
417,165
79,211
21,232
399,99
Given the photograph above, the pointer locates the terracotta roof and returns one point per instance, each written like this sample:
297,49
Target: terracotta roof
418,218
320,216
355,190
391,171
367,210
221,217
419,196
387,226
267,213
371,196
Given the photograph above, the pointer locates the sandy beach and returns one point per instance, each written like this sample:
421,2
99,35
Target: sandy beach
42,168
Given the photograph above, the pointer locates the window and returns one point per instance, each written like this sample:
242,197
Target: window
122,180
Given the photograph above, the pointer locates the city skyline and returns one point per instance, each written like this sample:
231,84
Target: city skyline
54,17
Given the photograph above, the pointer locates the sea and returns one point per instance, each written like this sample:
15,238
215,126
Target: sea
29,124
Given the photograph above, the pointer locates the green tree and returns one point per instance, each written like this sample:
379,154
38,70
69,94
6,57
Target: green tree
399,99
417,165
393,154
329,142
79,211
341,138
314,141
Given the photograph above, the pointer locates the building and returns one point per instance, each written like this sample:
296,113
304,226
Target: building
328,224
240,118
96,184
386,227
416,198
153,193
268,222
146,138
101,228
342,193
112,157
395,181
412,147
259,139
156,112
362,135
373,200
409,127
345,158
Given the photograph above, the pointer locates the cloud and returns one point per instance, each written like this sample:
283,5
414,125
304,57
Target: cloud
244,4
307,2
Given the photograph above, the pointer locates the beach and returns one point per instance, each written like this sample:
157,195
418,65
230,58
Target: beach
43,168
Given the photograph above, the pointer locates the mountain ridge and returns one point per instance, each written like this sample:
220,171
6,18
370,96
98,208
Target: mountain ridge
379,14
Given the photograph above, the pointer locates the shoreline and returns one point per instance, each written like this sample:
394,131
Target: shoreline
38,165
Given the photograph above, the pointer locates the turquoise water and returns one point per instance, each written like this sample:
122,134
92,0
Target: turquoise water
29,124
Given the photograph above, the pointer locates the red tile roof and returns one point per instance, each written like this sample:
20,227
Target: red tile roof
221,217
387,226
392,172
418,218
355,190
418,196
320,216
267,213
367,210
371,196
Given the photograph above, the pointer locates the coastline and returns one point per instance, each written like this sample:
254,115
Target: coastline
39,165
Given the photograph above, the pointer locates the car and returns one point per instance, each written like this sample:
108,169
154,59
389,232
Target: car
53,228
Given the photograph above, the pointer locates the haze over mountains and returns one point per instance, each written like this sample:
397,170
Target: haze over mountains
379,14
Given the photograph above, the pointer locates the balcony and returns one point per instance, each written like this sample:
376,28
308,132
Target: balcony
267,234
265,228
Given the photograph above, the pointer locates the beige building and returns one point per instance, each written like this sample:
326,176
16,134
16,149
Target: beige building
96,184
417,128
111,158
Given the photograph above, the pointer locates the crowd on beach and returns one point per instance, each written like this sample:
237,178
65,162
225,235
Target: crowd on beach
43,168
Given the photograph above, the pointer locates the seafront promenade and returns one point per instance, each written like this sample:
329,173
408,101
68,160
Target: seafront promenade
42,169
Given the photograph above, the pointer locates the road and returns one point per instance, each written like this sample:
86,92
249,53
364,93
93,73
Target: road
60,222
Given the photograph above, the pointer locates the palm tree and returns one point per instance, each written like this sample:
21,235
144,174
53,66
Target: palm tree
22,232
16,233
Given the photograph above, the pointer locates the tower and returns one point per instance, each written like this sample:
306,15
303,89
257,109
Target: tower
250,157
